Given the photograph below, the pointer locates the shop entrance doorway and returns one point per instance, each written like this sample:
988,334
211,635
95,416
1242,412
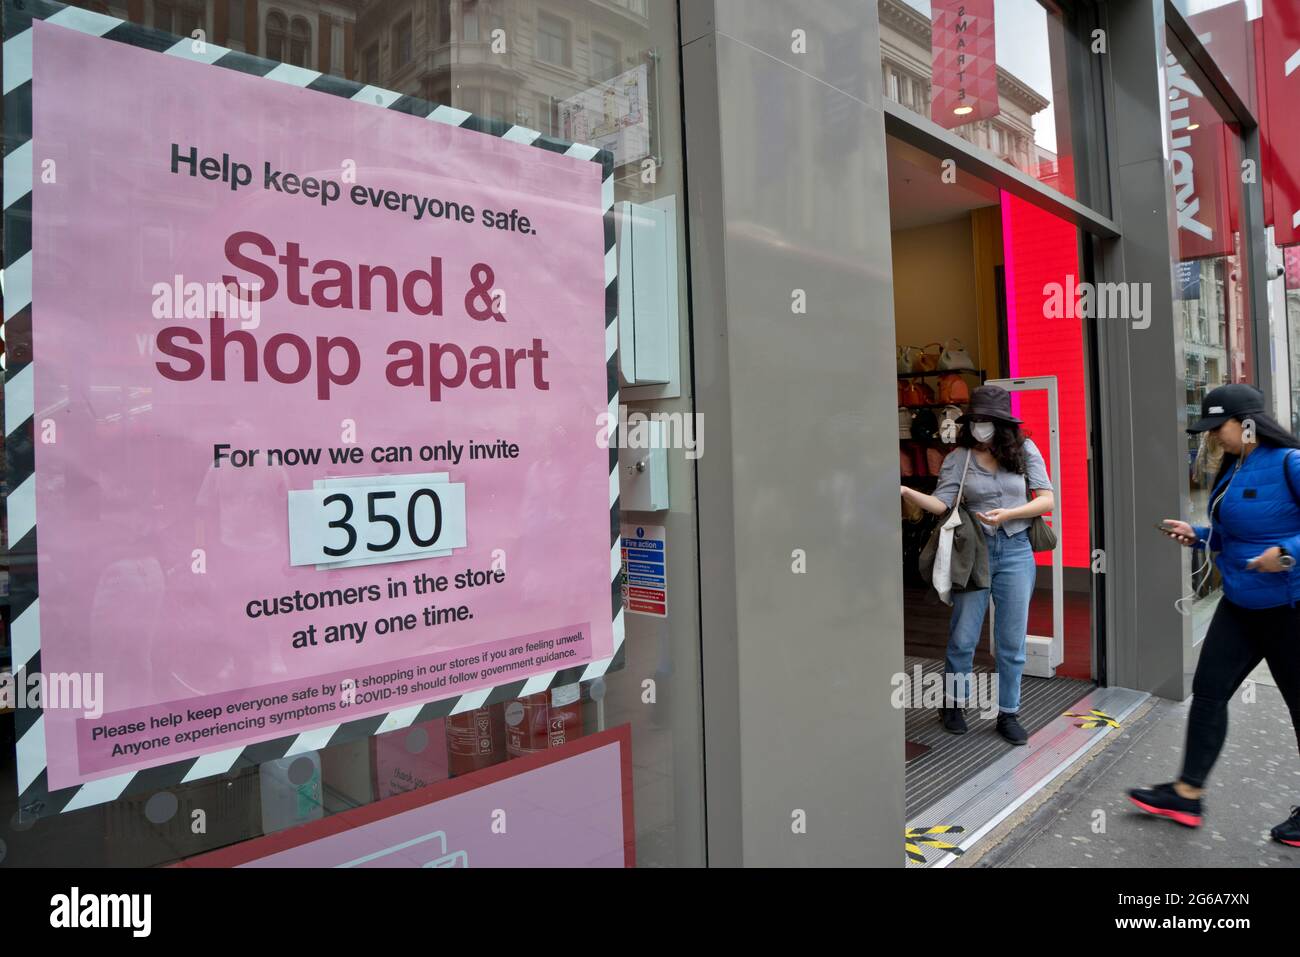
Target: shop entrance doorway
973,268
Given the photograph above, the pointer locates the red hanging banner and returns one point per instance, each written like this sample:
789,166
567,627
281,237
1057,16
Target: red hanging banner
1226,34
1281,68
1203,178
964,71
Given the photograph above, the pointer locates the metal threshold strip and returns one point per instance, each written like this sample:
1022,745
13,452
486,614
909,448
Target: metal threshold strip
988,798
946,762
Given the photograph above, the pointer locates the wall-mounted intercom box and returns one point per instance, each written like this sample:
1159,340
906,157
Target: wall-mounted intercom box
647,299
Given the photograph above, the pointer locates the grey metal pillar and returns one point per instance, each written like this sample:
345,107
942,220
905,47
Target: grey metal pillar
800,564
1141,374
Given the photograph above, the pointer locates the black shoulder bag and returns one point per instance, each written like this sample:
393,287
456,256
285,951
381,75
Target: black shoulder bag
1041,536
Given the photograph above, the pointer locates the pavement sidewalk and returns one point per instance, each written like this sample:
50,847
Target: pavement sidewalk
1087,821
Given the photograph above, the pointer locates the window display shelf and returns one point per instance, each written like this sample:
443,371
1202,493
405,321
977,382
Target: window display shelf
939,372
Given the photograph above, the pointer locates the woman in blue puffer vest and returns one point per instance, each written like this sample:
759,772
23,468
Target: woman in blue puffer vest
1255,532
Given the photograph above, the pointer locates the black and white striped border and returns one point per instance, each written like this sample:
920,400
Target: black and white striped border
20,416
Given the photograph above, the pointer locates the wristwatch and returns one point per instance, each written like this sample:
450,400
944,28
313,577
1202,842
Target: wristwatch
1286,560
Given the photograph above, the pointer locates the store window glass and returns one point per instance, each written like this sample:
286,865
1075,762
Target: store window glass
1211,285
335,529
497,106
552,40
336,63
998,74
179,18
547,115
469,21
235,24
299,42
277,34
604,57
402,42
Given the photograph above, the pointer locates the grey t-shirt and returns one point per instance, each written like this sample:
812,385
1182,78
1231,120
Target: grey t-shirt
988,490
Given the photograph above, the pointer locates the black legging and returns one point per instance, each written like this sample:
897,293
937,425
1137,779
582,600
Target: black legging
1238,640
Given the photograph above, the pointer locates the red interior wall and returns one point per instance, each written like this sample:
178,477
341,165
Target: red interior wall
1040,249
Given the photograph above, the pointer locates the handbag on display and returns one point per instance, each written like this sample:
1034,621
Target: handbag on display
954,356
925,425
904,423
905,463
953,388
1041,536
917,393
925,360
906,357
948,426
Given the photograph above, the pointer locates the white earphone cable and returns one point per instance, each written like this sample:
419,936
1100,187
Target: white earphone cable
1207,564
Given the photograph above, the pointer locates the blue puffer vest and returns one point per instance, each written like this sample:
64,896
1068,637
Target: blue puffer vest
1260,509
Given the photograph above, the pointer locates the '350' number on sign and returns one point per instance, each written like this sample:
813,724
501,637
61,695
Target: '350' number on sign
397,518
344,522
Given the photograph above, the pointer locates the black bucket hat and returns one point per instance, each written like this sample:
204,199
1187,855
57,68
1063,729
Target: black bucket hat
1227,402
990,402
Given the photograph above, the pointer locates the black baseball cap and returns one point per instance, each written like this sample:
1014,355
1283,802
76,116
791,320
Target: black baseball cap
1227,402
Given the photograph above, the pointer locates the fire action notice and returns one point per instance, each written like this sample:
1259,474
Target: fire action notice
316,385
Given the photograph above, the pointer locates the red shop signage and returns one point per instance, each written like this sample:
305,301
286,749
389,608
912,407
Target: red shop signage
1281,67
1202,172
964,70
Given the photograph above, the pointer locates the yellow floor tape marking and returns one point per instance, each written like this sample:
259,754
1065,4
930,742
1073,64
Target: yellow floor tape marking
1093,719
915,838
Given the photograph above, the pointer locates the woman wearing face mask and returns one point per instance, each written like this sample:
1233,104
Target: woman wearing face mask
1000,461
1255,530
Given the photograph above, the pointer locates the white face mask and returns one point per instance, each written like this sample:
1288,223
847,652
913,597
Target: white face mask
982,431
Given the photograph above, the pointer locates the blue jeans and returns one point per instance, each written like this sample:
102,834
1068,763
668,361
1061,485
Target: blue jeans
1012,573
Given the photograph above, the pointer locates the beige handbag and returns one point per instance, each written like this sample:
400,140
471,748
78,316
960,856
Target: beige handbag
907,357
954,356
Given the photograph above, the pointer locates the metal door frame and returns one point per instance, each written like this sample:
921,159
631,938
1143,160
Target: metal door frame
1056,642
